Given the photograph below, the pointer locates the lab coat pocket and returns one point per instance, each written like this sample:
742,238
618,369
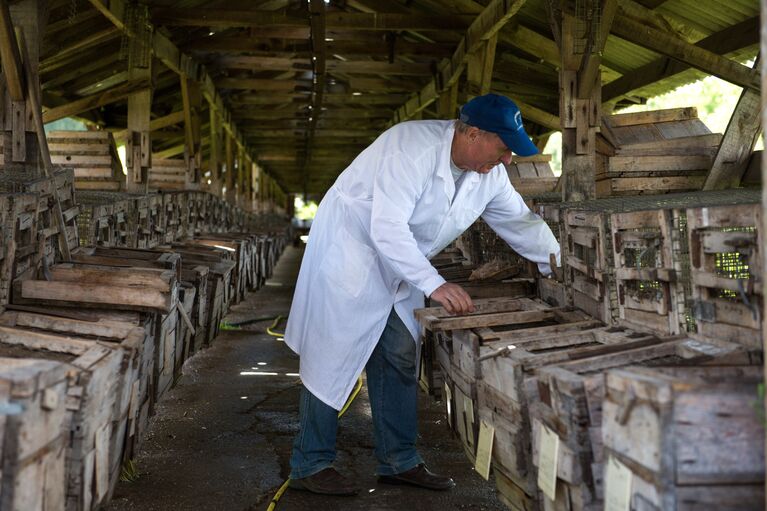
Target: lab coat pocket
348,263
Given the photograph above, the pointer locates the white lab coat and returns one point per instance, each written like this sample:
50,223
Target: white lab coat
390,211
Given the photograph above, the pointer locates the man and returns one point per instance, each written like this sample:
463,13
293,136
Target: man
408,195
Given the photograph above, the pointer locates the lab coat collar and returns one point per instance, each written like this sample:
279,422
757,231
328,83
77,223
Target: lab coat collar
443,166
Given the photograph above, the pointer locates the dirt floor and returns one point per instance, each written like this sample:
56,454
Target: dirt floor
221,440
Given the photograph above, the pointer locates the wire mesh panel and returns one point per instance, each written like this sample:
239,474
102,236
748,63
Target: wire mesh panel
589,259
587,262
107,219
726,272
650,290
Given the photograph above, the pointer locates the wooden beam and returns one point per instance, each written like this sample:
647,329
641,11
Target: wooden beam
9,54
678,49
221,18
94,101
588,73
169,54
738,142
191,99
479,72
263,85
738,36
484,27
156,124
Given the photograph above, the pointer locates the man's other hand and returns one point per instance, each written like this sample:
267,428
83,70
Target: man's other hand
453,298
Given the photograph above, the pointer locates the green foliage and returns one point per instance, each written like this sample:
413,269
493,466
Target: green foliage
129,472
66,124
305,210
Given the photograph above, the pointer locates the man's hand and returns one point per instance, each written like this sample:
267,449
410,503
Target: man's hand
453,298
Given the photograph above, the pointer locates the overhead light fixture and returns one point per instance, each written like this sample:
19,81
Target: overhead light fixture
211,33
356,94
329,39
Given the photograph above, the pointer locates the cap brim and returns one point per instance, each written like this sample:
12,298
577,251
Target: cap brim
519,142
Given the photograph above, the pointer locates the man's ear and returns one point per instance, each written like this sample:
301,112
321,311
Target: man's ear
474,134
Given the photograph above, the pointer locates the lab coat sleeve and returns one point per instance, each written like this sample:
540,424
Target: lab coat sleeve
524,231
398,184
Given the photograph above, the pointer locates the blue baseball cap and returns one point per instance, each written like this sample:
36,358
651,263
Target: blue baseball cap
500,115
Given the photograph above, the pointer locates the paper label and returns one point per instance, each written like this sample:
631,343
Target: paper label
484,449
449,403
617,486
468,407
548,457
459,415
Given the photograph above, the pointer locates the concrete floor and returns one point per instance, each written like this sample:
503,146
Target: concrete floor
221,441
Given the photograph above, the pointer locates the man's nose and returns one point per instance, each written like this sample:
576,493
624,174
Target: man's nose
506,157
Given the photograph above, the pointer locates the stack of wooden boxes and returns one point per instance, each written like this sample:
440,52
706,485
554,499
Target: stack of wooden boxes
652,338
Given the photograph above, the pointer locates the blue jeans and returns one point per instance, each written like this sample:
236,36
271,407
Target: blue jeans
393,393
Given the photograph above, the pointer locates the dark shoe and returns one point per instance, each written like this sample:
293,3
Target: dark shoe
325,482
421,477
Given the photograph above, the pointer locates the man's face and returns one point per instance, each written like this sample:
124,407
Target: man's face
485,151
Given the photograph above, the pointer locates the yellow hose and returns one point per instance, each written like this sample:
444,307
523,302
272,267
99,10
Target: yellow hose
272,332
349,401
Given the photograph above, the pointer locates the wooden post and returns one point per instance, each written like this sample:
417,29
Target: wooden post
214,164
580,95
737,143
764,177
19,133
448,103
192,100
256,187
231,192
479,72
241,164
138,149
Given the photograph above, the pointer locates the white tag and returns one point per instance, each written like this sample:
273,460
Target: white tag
484,449
468,407
617,486
548,454
459,415
449,403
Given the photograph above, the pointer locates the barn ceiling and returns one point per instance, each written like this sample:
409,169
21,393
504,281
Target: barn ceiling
308,84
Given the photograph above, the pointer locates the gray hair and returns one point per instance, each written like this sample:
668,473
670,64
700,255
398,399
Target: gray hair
463,128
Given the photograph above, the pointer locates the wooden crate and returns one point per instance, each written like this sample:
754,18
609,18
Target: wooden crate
649,275
150,231
119,288
133,257
92,155
198,277
36,428
532,175
587,263
692,438
106,219
238,254
125,336
61,183
653,152
176,217
93,390
726,246
570,405
168,174
166,346
20,246
508,389
185,331
194,205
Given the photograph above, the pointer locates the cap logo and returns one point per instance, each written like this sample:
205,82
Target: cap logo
518,119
